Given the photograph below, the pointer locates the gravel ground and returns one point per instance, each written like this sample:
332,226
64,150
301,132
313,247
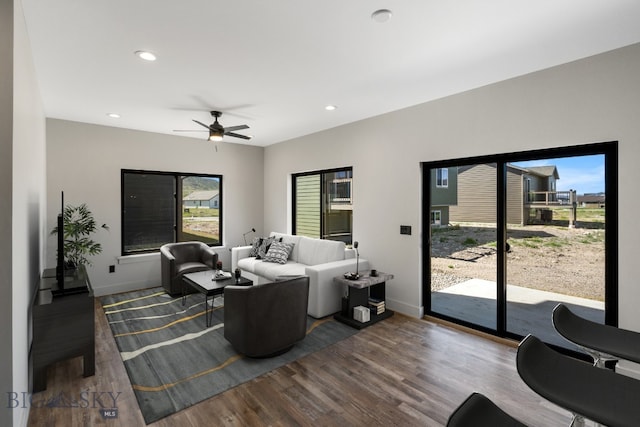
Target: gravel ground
549,258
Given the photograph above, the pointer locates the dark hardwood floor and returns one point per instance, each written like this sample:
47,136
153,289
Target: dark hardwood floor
401,371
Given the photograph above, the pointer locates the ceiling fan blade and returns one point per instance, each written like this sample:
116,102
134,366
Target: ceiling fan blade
234,128
202,124
237,135
189,130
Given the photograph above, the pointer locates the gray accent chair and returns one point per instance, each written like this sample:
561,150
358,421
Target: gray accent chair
268,319
177,259
479,411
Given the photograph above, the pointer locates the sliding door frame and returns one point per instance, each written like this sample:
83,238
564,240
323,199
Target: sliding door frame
610,152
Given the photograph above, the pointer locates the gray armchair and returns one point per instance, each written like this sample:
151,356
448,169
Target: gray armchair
266,320
177,259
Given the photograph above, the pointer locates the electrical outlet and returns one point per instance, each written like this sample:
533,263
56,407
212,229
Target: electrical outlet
405,229
112,269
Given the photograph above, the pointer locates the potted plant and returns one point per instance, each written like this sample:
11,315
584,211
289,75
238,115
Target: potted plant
79,225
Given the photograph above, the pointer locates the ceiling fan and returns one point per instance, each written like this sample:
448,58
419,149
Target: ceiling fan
217,131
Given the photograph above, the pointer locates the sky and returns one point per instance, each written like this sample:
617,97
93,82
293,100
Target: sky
585,174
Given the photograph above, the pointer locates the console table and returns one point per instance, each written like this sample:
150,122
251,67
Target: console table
360,290
63,324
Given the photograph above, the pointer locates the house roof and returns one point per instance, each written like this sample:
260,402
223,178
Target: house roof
275,65
544,171
591,198
201,195
537,170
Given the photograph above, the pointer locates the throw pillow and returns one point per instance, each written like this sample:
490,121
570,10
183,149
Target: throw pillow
264,246
279,252
257,241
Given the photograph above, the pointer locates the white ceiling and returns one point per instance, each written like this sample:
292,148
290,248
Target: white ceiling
274,65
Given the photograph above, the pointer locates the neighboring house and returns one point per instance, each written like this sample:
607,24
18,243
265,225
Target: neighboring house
202,199
529,191
540,184
444,193
592,200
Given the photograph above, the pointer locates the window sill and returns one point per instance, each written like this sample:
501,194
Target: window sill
132,259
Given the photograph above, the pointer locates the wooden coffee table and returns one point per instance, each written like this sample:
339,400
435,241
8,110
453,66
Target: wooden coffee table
202,282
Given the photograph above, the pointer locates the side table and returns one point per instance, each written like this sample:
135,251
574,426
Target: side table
360,290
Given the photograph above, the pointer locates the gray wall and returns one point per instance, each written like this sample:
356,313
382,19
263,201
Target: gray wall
85,161
592,100
6,179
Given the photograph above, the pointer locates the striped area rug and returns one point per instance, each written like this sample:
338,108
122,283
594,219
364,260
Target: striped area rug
174,361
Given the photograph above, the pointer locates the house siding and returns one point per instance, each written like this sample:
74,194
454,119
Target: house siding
515,194
308,190
211,203
477,196
444,196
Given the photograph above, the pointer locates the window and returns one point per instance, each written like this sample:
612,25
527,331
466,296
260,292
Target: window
436,217
166,207
442,177
323,204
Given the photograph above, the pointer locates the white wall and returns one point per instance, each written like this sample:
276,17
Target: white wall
593,100
85,161
23,194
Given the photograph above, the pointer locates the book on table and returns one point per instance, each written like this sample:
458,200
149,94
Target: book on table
377,306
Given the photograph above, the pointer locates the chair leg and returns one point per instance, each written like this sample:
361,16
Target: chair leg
577,421
599,359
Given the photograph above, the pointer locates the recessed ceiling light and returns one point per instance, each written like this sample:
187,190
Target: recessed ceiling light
146,55
381,15
113,115
330,107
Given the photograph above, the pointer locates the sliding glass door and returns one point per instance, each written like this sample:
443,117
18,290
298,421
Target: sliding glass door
556,235
510,236
463,243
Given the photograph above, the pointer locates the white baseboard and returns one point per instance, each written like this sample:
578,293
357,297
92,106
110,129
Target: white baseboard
122,287
406,309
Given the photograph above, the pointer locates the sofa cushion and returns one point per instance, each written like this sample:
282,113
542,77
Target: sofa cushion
289,238
257,241
248,264
270,270
317,251
278,252
264,246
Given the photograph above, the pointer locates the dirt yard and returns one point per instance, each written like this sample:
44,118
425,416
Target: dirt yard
550,258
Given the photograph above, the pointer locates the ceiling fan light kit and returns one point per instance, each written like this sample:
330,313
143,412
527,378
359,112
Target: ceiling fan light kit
215,136
217,131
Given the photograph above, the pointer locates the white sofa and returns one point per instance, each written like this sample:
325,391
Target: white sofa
321,260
